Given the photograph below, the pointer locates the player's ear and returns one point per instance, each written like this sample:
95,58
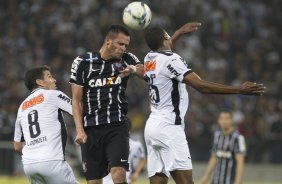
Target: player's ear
39,82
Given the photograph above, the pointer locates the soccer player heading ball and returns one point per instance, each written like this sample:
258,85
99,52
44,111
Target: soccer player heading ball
167,75
100,106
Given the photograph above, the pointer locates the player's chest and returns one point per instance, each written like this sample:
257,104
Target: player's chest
104,74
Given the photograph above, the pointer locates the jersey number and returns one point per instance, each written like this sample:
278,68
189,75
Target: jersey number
34,128
154,91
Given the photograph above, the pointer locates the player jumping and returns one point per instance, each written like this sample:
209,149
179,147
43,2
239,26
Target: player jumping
167,75
40,132
100,106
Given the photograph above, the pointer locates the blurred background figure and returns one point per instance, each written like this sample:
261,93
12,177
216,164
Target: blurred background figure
228,153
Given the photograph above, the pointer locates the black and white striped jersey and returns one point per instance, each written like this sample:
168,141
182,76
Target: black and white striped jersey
226,147
104,98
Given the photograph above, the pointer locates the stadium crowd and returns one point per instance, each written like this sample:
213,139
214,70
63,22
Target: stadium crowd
238,41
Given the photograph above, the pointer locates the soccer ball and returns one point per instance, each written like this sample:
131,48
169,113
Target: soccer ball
137,15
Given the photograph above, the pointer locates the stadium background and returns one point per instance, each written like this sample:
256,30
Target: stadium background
240,40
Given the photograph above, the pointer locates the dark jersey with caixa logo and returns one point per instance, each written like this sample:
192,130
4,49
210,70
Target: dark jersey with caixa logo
104,98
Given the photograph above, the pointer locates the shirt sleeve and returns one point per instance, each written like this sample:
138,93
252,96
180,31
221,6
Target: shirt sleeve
77,72
214,143
177,68
18,134
240,145
131,59
62,101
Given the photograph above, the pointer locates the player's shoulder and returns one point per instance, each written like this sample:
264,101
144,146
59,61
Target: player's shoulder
237,134
164,55
128,56
87,57
52,93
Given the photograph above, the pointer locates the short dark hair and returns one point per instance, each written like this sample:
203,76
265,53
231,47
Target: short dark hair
154,37
226,112
33,74
117,28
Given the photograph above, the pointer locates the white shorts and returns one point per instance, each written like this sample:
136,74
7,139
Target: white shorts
167,146
50,172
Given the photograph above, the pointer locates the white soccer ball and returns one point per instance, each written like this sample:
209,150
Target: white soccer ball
137,15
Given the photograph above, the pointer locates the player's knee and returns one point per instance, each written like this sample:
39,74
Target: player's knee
118,175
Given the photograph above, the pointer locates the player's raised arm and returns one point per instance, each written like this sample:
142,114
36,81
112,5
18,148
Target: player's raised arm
185,29
203,86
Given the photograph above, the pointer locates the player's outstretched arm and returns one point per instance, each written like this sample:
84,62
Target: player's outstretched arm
210,167
185,29
247,88
77,92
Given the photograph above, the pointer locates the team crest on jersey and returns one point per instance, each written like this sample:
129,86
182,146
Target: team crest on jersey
104,81
118,66
33,101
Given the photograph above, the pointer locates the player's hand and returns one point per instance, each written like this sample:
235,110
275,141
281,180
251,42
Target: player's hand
127,71
134,177
81,137
204,180
189,27
252,88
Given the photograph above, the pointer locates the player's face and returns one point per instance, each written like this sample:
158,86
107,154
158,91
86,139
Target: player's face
48,81
225,121
117,45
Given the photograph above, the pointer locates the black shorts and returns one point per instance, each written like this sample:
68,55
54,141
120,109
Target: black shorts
107,146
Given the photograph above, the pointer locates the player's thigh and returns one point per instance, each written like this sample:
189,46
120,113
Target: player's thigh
117,146
32,171
182,176
177,154
61,174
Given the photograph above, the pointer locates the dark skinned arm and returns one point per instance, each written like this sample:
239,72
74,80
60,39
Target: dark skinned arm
203,86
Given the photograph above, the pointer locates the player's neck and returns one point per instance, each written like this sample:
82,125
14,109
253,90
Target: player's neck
227,131
104,54
164,48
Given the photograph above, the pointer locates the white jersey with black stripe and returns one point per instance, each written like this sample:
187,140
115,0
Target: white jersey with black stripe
40,125
164,73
